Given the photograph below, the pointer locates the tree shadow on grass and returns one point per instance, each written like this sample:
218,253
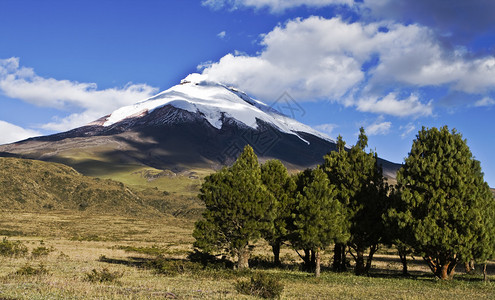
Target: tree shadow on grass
201,264
131,261
459,275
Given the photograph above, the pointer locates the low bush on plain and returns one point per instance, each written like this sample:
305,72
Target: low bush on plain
260,285
209,261
12,248
104,275
28,270
171,267
41,251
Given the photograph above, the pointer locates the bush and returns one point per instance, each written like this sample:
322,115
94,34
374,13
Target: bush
209,261
28,270
172,267
103,276
260,285
261,262
12,248
41,251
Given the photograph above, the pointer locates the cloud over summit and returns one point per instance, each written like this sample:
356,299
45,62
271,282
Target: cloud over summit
329,59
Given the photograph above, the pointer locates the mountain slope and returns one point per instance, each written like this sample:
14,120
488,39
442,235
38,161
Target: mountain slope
31,185
196,124
37,186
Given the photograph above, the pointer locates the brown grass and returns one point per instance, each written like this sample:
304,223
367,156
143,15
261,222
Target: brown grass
82,243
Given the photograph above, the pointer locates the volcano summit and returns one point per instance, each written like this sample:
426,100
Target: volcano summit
195,124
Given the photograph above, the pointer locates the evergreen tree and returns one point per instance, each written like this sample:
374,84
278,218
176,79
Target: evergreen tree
446,212
238,209
393,233
318,217
363,192
280,185
336,167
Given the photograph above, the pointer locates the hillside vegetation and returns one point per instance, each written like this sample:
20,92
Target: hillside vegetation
31,185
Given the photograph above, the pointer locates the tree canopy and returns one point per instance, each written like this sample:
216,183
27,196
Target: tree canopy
238,208
318,217
363,193
282,187
445,209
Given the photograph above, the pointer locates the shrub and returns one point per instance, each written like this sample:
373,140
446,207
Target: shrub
209,261
63,256
41,251
12,248
261,261
260,285
103,276
28,270
171,267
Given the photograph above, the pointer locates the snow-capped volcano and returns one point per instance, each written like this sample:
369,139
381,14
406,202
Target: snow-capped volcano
195,124
214,101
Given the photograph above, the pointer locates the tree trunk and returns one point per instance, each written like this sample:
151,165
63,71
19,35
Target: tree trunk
469,266
339,259
359,269
313,260
307,260
444,272
403,260
337,256
372,252
317,267
443,269
485,277
243,258
276,253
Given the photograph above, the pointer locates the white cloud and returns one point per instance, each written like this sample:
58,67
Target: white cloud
275,6
326,128
486,101
318,58
222,34
12,133
390,105
407,129
22,83
378,128
311,58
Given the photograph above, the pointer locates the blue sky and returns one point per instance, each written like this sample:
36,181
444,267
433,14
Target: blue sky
391,66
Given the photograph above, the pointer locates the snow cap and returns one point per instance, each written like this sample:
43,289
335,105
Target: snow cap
195,78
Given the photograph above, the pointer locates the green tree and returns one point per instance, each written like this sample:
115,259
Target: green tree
238,209
393,233
367,205
337,167
363,192
280,185
446,211
318,217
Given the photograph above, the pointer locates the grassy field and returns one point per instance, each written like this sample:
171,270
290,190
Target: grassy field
138,247
127,247
186,183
